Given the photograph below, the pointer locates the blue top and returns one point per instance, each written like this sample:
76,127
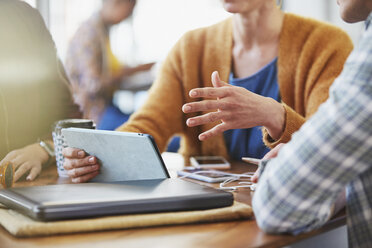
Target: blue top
248,142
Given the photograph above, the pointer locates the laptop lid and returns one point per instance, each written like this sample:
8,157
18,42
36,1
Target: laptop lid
69,201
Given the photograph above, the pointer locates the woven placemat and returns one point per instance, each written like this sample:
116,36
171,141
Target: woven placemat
20,225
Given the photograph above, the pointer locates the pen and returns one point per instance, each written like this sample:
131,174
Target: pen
255,161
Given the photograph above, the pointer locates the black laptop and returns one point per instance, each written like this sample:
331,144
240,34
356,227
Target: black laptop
105,197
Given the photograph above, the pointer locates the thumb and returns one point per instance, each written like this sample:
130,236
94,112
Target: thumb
274,152
216,81
255,177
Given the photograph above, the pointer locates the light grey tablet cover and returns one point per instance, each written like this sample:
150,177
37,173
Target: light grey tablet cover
123,156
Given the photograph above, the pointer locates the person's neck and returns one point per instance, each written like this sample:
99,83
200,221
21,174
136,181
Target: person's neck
257,27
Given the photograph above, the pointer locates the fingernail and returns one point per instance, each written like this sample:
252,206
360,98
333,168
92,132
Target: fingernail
95,167
187,108
193,93
191,122
80,154
28,178
91,160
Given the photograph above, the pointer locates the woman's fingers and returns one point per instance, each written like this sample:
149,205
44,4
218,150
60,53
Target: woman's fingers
206,105
216,81
82,171
14,158
214,131
80,168
21,170
35,170
209,92
69,152
204,119
70,163
11,156
85,178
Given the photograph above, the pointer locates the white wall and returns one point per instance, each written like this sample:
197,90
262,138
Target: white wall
325,10
157,24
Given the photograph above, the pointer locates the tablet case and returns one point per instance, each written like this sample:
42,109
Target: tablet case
70,201
123,156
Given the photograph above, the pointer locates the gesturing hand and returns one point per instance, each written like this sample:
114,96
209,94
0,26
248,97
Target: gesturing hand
235,107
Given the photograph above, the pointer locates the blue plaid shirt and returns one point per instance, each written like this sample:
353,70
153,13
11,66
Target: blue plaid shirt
331,151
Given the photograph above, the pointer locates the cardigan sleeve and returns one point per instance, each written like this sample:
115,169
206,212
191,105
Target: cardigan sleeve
320,62
293,122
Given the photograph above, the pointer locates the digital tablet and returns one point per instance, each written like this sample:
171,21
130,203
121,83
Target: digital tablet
123,156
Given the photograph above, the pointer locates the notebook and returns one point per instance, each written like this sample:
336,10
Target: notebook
146,193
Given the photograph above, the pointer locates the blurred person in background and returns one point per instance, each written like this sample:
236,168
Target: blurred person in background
34,91
94,71
279,67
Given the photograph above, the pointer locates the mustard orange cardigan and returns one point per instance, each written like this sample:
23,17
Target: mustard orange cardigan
311,55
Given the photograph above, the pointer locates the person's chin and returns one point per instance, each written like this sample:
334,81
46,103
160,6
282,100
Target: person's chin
231,8
352,13
350,18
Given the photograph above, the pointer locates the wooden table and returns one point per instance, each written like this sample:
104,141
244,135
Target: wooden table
244,233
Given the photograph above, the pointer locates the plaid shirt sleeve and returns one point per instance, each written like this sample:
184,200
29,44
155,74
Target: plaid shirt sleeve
332,150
